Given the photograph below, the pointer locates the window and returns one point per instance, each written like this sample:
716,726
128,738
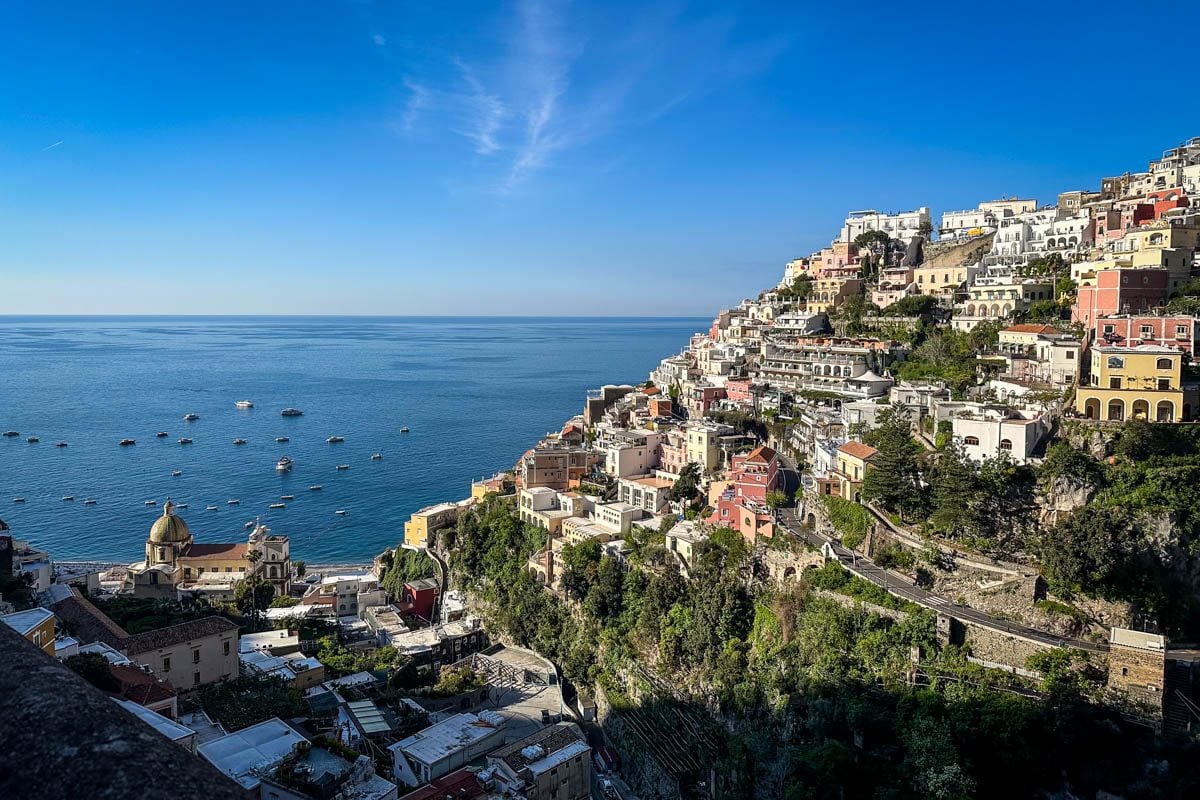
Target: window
196,656
1181,331
1114,383
1070,355
1164,384
1005,444
1116,362
1147,332
195,679
225,647
971,441
1163,363
166,663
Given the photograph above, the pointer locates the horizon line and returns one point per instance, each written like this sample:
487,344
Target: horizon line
350,316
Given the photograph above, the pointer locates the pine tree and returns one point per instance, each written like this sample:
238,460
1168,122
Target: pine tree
954,492
893,480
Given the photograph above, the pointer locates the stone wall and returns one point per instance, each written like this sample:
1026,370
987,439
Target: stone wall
1139,672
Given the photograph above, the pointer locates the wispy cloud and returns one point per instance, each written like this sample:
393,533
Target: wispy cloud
550,90
379,39
52,146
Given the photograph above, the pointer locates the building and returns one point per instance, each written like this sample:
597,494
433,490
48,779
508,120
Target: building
996,295
462,784
135,685
1119,291
174,561
316,773
555,465
190,654
1136,382
1180,331
554,763
702,444
650,493
1137,665
683,538
36,625
1040,354
249,754
943,281
349,593
902,225
851,462
995,431
435,646
423,523
845,367
87,623
178,733
26,562
631,452
447,746
741,504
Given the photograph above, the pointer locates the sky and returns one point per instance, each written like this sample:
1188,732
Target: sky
536,157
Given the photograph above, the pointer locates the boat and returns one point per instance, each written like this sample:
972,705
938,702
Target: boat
151,502
292,412
60,444
281,439
244,404
33,440
248,525
239,441
211,508
127,442
343,466
181,505
175,473
376,456
185,440
315,488
277,505
18,499
233,502
404,429
192,417
340,512
162,434
287,497
69,497
89,502
12,433
335,439
283,464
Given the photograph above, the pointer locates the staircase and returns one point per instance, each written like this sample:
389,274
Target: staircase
1180,713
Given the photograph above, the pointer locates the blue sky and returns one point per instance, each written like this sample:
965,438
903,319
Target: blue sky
535,157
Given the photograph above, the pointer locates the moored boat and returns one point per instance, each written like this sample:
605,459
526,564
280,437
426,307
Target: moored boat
33,440
89,502
12,433
151,502
283,464
162,434
315,488
376,456
281,439
209,508
287,497
343,466
404,429
335,439
233,502
239,441
276,505
191,417
291,412
244,404
60,444
127,442
185,440
340,512
175,473
69,497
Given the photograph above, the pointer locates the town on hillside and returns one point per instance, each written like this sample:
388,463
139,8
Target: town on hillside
937,458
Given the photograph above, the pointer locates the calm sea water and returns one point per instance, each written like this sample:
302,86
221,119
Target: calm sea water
476,392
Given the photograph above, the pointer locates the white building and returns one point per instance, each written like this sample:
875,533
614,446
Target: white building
442,748
902,225
251,753
684,537
987,431
843,368
650,493
353,592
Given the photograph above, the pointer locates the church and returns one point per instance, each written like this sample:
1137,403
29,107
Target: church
176,565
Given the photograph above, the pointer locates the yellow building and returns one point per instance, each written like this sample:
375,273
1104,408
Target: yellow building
941,281
430,519
833,291
1142,382
852,459
36,625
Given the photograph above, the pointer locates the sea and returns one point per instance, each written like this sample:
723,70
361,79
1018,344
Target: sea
475,393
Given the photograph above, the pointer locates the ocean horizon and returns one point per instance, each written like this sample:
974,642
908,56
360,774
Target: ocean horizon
475,391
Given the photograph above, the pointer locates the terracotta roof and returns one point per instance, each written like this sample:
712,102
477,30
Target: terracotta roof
858,450
763,454
461,784
140,687
219,551
1030,328
176,634
651,390
88,623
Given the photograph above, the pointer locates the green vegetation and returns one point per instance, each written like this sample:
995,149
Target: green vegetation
799,291
894,480
244,701
950,356
339,661
141,614
849,519
791,694
912,306
405,566
93,668
456,680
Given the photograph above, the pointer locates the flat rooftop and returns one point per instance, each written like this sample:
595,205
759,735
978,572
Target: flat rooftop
246,754
449,736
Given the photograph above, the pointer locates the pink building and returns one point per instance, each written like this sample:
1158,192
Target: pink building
701,399
755,473
1179,331
738,390
1165,200
743,505
1120,291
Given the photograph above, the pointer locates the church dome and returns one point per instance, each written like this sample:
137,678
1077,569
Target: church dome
168,527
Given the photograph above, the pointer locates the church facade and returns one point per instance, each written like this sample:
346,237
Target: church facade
176,565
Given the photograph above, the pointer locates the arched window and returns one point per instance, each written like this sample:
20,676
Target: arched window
1163,363
971,441
1006,444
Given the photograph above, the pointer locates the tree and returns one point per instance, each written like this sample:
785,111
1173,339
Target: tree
94,668
893,478
253,595
776,499
580,565
925,229
954,490
687,486
300,568
1089,553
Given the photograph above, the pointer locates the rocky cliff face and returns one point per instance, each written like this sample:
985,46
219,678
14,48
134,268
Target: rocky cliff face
1064,495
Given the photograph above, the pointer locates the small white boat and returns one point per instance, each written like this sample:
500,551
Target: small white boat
233,502
283,464
162,434
185,440
127,442
211,508
18,499
340,512
315,488
287,497
277,505
404,429
335,439
377,456
292,412
343,466
281,439
244,404
33,440
248,525
239,441
181,505
191,417
151,502
69,497
175,473
89,502
60,444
